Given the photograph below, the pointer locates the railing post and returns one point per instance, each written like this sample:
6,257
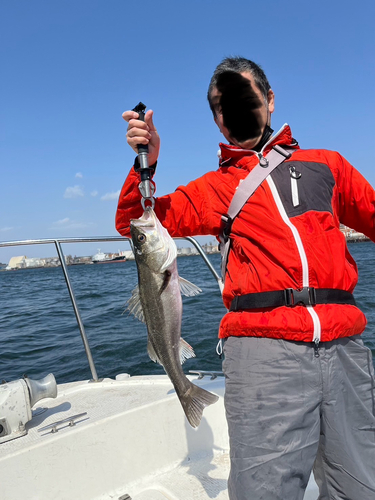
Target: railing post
57,243
76,311
207,261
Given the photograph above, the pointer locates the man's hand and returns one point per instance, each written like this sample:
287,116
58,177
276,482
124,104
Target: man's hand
140,132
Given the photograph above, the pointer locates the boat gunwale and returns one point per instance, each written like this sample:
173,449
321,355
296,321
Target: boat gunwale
91,239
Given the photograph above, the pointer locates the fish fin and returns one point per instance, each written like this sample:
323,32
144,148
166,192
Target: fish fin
187,288
134,305
194,402
152,353
186,351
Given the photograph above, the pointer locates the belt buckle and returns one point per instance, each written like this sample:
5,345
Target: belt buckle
305,296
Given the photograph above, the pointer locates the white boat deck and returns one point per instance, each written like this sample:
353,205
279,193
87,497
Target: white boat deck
134,443
205,477
134,431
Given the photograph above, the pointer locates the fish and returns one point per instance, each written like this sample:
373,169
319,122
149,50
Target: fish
156,301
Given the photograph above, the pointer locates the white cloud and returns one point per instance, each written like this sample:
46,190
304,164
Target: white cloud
4,229
71,224
79,175
79,225
111,196
73,192
61,222
94,193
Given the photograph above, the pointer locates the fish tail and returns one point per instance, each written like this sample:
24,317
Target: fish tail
194,401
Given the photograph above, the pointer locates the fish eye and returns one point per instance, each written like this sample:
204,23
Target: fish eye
141,238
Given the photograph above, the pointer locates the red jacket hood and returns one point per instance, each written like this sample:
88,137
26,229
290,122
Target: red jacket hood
230,155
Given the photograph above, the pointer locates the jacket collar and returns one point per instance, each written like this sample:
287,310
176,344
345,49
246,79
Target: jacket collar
234,156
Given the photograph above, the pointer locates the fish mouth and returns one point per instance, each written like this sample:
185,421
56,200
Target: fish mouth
148,219
150,237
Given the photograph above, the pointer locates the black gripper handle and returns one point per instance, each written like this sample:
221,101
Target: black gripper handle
140,109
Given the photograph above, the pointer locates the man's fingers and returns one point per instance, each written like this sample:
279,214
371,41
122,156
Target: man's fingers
135,141
137,136
142,132
137,124
129,115
132,118
148,119
138,132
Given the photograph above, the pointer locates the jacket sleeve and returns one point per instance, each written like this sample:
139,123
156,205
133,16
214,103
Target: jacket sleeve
186,212
356,200
129,203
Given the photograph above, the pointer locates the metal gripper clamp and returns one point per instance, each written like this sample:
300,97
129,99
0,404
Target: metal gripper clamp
146,186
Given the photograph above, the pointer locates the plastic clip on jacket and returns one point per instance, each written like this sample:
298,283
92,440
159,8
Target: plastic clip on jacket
306,296
228,221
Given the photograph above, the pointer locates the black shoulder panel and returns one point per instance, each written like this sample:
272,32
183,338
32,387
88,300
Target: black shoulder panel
304,186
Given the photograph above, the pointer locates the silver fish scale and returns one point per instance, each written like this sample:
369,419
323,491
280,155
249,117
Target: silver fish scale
163,313
160,296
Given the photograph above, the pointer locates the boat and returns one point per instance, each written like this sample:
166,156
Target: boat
125,438
104,258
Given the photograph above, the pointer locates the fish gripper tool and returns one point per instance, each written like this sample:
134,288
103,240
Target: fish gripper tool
146,186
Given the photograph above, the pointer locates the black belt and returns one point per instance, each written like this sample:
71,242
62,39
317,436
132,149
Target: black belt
290,297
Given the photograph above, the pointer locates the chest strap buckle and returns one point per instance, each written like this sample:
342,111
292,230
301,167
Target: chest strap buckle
304,296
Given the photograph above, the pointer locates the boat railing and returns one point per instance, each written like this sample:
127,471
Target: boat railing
64,267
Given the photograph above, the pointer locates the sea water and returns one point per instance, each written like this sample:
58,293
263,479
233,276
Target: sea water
39,332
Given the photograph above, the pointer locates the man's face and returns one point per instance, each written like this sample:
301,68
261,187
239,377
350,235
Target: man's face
241,110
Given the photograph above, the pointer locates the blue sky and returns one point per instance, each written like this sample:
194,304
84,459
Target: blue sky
70,68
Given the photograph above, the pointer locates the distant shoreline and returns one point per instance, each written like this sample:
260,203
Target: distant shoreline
192,253
90,263
357,240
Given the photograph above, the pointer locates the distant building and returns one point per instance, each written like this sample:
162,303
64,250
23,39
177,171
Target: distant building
186,251
212,247
34,262
16,263
351,235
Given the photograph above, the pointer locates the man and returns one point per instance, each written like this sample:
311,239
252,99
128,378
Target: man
299,381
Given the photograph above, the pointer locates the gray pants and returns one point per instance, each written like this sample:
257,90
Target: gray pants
289,412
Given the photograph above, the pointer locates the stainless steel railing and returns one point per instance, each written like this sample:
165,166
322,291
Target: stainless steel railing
58,242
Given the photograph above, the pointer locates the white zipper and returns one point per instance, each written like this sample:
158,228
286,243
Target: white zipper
295,197
294,176
305,266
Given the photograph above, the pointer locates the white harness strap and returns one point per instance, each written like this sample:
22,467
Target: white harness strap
244,191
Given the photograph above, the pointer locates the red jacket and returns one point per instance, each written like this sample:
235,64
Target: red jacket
286,236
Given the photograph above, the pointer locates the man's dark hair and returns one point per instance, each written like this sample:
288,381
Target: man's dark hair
239,65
